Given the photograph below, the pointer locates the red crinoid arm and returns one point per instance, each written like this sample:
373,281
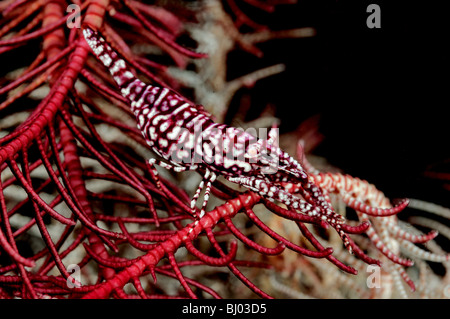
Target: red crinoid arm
94,17
106,163
68,199
30,9
38,60
12,6
268,7
319,246
101,88
37,70
12,250
339,182
242,18
189,281
363,256
20,205
40,222
180,276
108,261
359,229
60,89
170,245
180,60
35,197
106,148
324,252
54,42
374,211
292,215
131,240
348,187
138,286
49,264
33,85
31,130
264,250
43,31
130,174
235,270
30,26
213,261
164,17
161,34
75,182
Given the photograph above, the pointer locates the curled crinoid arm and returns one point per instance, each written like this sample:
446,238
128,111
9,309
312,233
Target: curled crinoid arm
323,252
233,268
213,261
161,34
375,209
353,190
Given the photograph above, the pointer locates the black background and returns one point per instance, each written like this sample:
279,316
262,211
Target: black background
382,94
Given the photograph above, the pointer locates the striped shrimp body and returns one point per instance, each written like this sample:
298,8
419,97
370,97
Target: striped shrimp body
186,137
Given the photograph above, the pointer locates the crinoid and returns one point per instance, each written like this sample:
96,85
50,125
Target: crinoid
93,205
